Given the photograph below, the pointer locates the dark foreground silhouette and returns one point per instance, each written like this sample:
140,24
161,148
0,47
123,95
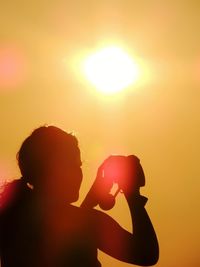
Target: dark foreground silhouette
40,227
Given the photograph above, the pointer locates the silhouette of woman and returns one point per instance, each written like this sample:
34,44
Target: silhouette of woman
39,225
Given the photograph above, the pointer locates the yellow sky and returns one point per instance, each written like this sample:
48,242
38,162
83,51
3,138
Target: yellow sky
159,121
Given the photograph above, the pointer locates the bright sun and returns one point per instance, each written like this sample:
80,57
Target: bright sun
111,69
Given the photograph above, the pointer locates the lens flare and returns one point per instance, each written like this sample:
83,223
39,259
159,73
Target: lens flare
12,67
111,69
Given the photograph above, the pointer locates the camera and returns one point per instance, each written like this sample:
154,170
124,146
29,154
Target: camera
123,171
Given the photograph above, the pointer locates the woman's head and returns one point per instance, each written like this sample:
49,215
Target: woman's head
50,157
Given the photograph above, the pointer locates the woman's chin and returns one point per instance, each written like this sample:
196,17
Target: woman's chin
74,198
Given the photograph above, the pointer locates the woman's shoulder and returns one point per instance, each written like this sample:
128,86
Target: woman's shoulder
8,193
14,196
90,216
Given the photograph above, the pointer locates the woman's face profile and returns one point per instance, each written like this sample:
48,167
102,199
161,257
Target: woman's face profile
49,160
63,177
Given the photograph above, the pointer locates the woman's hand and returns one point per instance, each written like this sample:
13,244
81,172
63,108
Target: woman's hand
126,171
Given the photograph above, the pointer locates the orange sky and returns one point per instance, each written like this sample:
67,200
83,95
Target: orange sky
159,121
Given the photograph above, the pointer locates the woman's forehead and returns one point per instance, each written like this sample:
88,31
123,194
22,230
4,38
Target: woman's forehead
72,156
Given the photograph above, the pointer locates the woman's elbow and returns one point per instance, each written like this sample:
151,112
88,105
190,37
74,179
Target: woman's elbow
149,260
146,261
149,254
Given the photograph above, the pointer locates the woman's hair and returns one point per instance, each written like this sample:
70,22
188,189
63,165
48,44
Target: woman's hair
43,144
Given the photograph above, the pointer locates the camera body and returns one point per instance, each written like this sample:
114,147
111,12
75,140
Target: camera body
125,171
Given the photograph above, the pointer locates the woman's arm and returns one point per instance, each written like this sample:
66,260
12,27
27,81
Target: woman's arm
139,247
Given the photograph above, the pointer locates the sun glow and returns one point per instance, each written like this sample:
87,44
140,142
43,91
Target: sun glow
111,69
